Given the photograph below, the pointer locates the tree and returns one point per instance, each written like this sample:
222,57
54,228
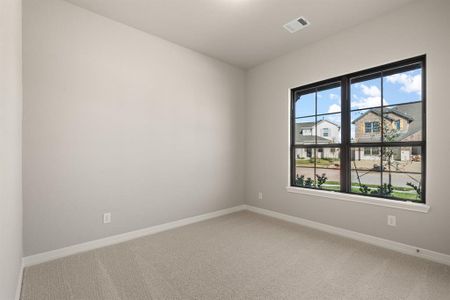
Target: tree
390,134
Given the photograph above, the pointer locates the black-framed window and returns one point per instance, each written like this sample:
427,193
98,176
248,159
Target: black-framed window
363,133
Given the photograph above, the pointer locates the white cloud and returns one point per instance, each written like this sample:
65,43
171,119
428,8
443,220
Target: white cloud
371,91
410,84
334,96
334,108
373,98
368,102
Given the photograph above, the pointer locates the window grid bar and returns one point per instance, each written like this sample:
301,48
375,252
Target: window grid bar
396,172
382,129
319,115
364,145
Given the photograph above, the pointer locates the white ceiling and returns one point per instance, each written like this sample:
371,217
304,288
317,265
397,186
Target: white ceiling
241,32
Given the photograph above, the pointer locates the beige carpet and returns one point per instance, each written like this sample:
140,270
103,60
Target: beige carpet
238,256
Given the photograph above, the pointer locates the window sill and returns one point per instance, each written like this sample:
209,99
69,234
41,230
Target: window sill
407,205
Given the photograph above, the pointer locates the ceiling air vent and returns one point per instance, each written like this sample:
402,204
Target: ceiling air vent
296,24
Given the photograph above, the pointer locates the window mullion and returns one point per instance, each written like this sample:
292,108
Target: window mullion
345,135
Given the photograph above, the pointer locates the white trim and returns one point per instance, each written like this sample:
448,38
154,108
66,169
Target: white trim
19,282
388,244
115,239
407,205
395,246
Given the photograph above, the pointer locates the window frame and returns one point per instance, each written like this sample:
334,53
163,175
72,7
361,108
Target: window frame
345,145
368,127
376,128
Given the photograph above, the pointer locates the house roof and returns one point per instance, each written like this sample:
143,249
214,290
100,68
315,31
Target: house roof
323,120
398,110
410,112
416,124
311,139
302,125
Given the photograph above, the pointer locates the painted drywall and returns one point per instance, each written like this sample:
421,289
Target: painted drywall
419,28
10,146
117,120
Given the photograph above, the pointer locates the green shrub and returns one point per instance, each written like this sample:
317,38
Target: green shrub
416,188
300,180
383,190
309,182
364,189
321,179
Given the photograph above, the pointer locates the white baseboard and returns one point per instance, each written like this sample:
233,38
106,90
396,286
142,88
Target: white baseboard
115,239
19,283
388,244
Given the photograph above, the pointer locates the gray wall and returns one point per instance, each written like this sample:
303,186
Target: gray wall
116,120
422,27
10,146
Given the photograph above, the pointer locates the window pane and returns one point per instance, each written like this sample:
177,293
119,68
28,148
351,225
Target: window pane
402,159
304,165
329,100
366,158
328,158
328,168
305,157
406,186
328,179
365,126
329,129
365,169
365,94
305,105
401,172
305,130
365,182
403,87
305,178
403,123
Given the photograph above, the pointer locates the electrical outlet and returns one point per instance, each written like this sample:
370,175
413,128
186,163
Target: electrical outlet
260,195
392,220
106,218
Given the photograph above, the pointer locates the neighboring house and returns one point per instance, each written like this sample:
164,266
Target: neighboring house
326,132
403,121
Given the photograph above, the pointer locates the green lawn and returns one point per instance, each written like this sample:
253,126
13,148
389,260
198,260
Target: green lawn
355,184
397,193
319,162
404,193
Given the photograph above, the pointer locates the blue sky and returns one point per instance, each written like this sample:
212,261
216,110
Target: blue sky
397,88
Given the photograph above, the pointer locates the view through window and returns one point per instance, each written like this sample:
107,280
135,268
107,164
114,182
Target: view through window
362,133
